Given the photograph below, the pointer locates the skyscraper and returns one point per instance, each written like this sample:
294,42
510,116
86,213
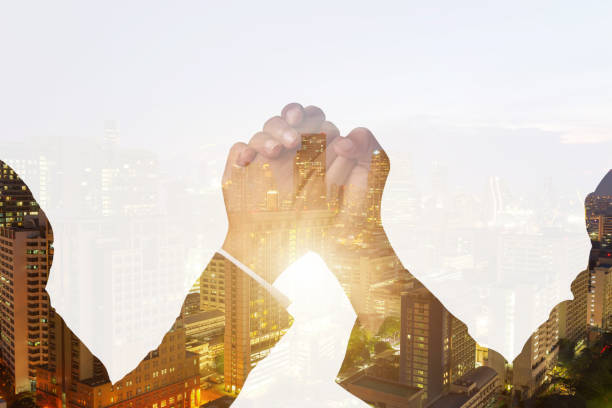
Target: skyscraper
267,242
539,355
27,254
16,200
212,284
69,362
309,173
272,231
435,349
379,169
577,317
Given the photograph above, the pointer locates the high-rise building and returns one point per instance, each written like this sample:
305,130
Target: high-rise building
69,362
539,355
379,169
16,201
385,298
597,297
599,203
435,349
26,254
309,173
272,232
591,309
212,284
191,304
363,268
254,321
462,349
491,358
600,229
577,318
607,300
599,292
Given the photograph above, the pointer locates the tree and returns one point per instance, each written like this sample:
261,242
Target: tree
566,351
359,348
381,346
390,328
7,387
220,363
587,375
559,401
24,400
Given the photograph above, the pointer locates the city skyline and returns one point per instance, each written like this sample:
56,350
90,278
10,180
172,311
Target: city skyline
372,222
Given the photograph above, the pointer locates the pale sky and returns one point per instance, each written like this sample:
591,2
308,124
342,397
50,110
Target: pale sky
502,83
178,70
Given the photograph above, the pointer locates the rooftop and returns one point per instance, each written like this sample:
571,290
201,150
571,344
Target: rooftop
201,316
95,381
385,386
223,402
479,376
451,400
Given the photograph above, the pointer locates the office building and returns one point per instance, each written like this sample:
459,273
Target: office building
204,324
26,254
435,349
309,173
539,355
267,240
191,304
212,284
577,318
382,393
167,377
476,389
16,201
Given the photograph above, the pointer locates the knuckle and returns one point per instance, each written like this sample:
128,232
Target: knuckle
315,111
274,121
237,148
257,137
363,131
292,106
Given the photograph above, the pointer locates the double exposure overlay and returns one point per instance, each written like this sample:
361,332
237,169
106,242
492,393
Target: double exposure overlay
405,349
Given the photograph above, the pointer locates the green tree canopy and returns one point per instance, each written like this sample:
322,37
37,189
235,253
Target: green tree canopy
390,327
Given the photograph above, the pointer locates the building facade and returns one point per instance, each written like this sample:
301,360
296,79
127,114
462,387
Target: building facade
26,254
435,349
167,377
539,355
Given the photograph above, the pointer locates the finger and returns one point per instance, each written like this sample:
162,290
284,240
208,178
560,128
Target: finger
354,195
332,135
357,182
293,114
282,132
340,146
238,157
338,173
265,145
365,143
330,130
246,157
312,121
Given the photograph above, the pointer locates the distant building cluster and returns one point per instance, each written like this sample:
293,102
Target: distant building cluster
411,351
